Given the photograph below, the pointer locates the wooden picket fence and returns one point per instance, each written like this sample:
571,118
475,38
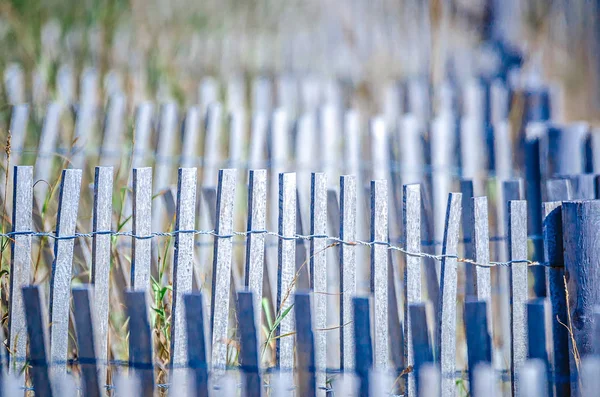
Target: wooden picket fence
311,291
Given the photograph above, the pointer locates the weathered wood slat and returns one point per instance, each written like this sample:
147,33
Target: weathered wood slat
479,344
111,150
446,330
140,346
537,346
86,343
363,353
347,268
379,270
286,271
249,353
517,242
37,341
60,281
20,268
318,274
191,135
305,351
101,257
141,226
580,221
221,282
142,132
412,272
183,263
422,351
197,351
46,151
483,286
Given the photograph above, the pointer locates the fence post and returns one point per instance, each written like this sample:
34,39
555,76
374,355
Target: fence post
479,344
422,352
580,221
197,346
553,241
249,353
20,264
318,274
101,243
86,352
140,345
363,353
60,281
183,263
517,241
412,272
255,242
221,283
37,340
446,329
379,270
305,351
347,269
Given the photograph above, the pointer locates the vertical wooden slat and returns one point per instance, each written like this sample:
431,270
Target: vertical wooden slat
19,119
221,282
237,136
422,351
164,151
412,271
517,242
86,352
558,189
553,242
468,225
580,221
111,150
196,346
379,270
212,152
287,269
60,281
101,256
20,267
318,273
363,353
191,134
141,227
347,268
38,358
537,339
141,135
305,351
183,264
250,365
446,330
483,287
255,242
479,344
46,151
442,153
140,345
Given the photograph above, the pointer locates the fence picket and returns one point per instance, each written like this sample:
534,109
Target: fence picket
162,165
249,353
580,220
422,351
38,358
221,282
60,281
412,272
553,242
191,134
363,353
479,344
347,268
255,242
533,194
183,263
446,329
140,346
318,274
46,150
20,271
142,133
468,224
110,152
286,271
483,286
197,347
517,242
305,351
141,253
537,334
86,352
